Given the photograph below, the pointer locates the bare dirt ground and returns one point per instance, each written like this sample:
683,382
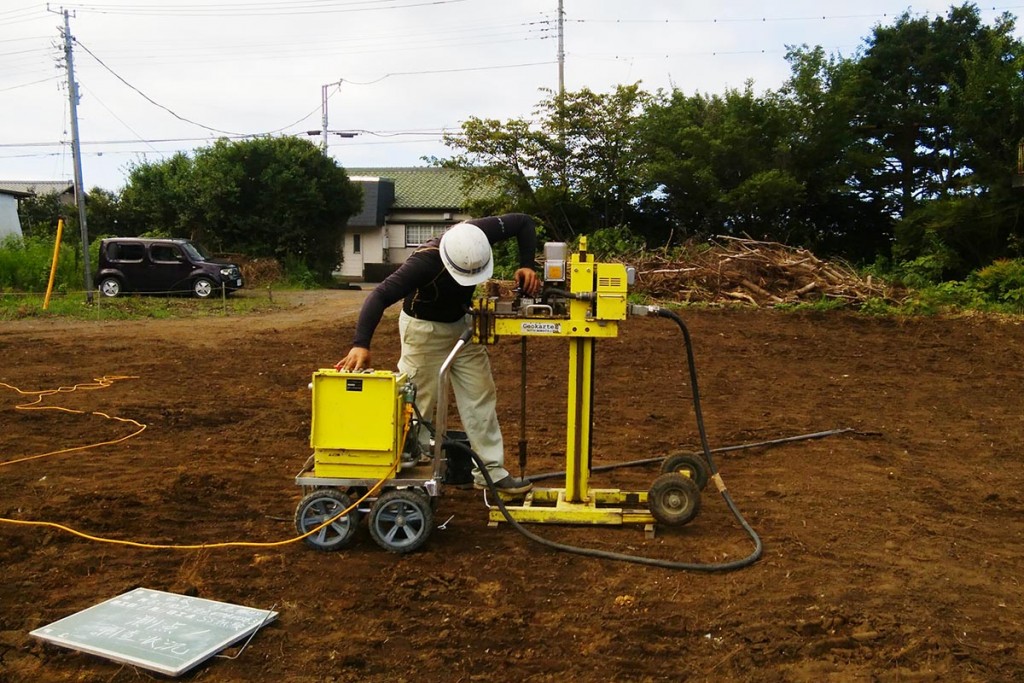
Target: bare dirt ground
891,553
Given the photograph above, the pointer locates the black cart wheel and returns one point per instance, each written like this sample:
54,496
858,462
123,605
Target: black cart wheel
691,465
401,520
320,506
432,501
674,498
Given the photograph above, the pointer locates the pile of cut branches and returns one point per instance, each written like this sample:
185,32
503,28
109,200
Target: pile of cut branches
754,272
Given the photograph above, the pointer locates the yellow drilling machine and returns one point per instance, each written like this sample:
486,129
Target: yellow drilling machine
366,457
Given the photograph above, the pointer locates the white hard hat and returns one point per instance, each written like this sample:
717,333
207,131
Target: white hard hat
466,254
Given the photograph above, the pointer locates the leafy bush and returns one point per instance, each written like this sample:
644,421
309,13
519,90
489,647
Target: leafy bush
298,274
923,271
876,306
25,265
614,242
1002,282
952,295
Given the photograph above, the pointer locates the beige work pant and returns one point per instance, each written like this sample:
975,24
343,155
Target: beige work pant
425,345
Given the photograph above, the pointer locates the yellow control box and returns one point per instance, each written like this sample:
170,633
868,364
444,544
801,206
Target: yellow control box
611,288
359,423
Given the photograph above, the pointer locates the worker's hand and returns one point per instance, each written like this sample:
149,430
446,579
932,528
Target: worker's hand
528,281
357,359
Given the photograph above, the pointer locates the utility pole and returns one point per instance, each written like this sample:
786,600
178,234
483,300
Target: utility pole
76,151
323,115
561,92
324,132
323,112
561,51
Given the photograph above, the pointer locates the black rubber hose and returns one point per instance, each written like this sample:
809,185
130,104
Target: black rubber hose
692,365
721,449
623,557
590,552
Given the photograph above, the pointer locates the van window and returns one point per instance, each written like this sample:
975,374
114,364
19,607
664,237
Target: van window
196,251
127,252
165,252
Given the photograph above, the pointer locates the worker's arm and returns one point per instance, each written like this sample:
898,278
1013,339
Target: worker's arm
415,271
522,227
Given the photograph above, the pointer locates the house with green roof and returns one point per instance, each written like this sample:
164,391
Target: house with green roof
402,208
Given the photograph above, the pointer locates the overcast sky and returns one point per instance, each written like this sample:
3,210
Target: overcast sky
157,77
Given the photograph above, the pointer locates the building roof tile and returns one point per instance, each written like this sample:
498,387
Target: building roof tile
37,187
427,187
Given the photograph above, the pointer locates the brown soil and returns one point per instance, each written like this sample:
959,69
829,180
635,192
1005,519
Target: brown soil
891,553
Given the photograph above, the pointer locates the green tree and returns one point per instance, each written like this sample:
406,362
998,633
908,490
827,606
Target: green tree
721,164
38,215
577,167
600,164
939,107
159,199
270,197
102,212
826,152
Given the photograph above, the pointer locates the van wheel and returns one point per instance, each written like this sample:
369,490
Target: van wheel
110,287
203,288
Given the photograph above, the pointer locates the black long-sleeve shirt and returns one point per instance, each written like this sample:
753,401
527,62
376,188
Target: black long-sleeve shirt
430,293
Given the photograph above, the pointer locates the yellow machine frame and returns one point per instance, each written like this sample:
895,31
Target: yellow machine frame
596,302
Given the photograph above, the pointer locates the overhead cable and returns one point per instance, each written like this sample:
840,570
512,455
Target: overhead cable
255,9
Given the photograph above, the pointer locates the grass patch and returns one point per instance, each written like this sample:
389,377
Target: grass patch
18,306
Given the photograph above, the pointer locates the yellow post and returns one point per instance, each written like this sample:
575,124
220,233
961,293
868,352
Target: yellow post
53,266
580,404
578,420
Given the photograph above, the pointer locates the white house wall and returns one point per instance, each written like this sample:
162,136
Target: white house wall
398,250
9,222
387,244
371,251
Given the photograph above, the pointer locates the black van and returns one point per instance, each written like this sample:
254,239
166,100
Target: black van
133,264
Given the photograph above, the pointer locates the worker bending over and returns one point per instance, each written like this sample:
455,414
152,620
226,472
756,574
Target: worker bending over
437,283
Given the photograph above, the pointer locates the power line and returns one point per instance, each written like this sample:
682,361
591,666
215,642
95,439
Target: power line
151,100
257,9
388,75
17,40
447,71
763,19
377,133
25,85
418,40
122,122
26,15
296,52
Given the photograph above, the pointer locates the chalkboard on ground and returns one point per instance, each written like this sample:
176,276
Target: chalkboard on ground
155,630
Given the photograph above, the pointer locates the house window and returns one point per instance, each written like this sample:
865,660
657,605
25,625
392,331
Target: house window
357,243
415,235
